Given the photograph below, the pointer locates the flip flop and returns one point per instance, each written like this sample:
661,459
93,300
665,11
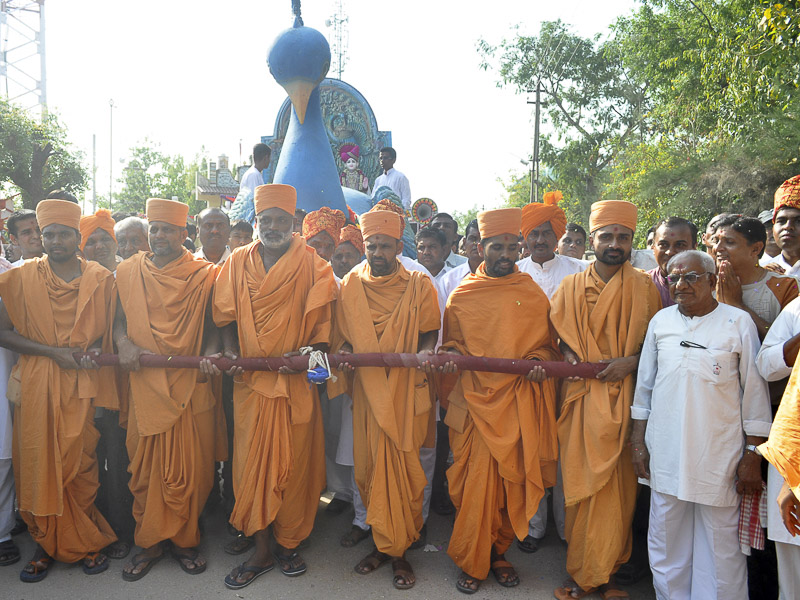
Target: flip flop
290,571
502,567
371,562
529,545
100,561
572,590
401,569
9,553
39,572
140,559
461,583
239,545
607,592
230,582
118,550
355,536
191,555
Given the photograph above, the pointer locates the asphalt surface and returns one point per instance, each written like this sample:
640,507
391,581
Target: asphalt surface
330,571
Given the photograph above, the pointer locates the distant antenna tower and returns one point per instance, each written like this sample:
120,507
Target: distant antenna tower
23,75
340,39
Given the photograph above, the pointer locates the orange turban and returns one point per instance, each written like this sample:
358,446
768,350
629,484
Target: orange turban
167,211
382,221
613,212
324,219
499,222
390,206
535,214
99,220
352,234
787,195
61,212
275,195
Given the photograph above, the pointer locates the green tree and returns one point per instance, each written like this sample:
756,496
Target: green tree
592,104
151,173
465,218
35,156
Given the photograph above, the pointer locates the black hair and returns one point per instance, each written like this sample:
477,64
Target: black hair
574,227
430,232
390,151
680,222
446,216
20,215
242,225
472,225
261,151
61,195
750,228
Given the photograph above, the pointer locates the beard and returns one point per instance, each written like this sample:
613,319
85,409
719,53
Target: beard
380,267
276,240
614,257
500,268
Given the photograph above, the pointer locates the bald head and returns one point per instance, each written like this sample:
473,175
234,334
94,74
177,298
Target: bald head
131,234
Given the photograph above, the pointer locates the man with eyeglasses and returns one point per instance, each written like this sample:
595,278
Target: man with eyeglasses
699,411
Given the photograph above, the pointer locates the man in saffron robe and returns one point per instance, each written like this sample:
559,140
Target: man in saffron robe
164,308
601,315
54,306
385,308
502,427
278,295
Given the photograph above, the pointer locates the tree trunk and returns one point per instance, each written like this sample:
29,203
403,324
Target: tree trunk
33,192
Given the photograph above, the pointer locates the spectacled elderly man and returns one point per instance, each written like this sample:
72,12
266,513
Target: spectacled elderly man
699,410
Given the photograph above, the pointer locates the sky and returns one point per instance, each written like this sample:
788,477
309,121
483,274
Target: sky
191,75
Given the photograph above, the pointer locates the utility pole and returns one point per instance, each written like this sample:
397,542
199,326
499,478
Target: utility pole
110,153
535,158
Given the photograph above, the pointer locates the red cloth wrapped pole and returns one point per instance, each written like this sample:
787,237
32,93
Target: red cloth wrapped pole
408,361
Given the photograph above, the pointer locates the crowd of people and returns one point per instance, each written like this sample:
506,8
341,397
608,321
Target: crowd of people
653,465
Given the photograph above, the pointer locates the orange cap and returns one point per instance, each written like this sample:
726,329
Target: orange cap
324,219
382,221
275,195
535,214
167,211
352,234
613,212
788,195
61,212
499,222
99,220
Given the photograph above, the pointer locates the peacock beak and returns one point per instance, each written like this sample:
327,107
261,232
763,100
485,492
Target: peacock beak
299,92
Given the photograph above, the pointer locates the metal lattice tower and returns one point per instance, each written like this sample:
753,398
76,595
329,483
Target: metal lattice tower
340,41
23,75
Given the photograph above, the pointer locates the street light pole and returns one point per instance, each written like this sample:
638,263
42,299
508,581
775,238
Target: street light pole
535,161
111,153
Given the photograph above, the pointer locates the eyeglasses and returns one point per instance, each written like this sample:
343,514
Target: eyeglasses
690,278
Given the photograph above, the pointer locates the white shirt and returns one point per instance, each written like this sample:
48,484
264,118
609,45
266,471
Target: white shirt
202,254
398,183
793,270
453,260
770,360
251,179
550,274
643,259
700,402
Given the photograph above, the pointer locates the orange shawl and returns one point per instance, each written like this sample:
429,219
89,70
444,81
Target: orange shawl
599,320
277,312
506,317
782,449
53,403
388,314
165,311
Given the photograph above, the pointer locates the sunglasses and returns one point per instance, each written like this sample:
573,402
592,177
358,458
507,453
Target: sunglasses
690,278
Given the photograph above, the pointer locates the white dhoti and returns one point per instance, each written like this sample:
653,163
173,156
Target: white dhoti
694,551
334,419
537,526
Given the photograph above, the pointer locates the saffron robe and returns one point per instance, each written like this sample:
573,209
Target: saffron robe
390,406
171,430
55,465
278,456
600,320
502,427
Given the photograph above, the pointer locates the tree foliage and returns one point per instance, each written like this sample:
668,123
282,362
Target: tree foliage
149,173
35,156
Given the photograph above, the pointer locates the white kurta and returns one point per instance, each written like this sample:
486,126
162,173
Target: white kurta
453,260
788,269
550,274
251,179
202,254
700,402
398,183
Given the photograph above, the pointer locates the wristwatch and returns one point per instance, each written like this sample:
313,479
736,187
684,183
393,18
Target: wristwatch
752,448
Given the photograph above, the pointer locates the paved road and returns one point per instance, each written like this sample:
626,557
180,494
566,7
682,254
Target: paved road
330,572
